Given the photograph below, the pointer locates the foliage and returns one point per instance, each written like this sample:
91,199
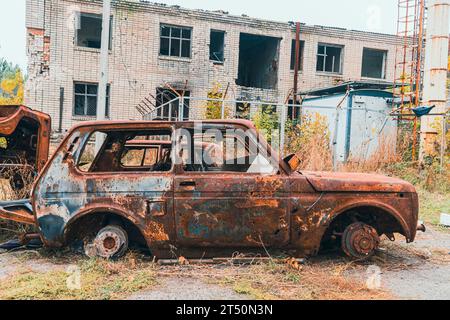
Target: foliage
309,139
11,84
266,120
214,108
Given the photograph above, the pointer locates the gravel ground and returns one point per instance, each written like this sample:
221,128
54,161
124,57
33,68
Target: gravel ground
425,281
429,282
188,289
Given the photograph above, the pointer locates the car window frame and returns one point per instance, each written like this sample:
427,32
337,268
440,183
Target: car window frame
279,172
114,173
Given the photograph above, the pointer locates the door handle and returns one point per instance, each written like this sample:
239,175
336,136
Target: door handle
187,184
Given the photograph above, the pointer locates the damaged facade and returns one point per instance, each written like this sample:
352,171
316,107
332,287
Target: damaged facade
153,45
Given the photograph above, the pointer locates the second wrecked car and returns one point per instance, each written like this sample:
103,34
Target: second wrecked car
204,190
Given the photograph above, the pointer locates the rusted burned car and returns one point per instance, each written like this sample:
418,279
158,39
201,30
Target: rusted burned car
205,190
24,143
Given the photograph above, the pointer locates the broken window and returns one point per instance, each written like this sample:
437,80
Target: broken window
374,63
168,104
89,33
175,41
217,45
243,110
300,57
258,61
129,151
329,58
222,150
85,100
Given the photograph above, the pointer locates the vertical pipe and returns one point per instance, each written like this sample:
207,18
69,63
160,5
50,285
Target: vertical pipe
296,67
418,72
435,78
61,108
104,65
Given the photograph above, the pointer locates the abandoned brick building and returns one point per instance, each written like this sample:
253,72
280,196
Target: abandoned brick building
154,45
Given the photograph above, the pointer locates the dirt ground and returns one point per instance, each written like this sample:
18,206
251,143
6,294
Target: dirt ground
399,271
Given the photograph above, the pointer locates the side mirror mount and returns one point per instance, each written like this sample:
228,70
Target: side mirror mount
292,161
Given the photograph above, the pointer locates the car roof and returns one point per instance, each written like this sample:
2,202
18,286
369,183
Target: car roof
130,123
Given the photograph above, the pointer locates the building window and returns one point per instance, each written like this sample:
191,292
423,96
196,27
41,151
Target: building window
89,33
175,41
329,58
85,101
259,58
168,104
374,63
217,45
300,58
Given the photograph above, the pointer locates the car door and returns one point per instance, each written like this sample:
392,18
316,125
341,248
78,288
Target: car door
226,206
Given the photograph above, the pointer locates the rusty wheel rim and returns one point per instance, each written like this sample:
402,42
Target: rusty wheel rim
111,242
360,241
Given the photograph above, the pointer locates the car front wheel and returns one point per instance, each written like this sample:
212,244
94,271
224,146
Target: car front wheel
360,241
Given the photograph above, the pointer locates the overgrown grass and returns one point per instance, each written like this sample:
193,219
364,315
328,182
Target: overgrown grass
312,282
99,280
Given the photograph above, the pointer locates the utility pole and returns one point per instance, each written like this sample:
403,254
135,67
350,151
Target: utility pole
104,67
296,68
435,77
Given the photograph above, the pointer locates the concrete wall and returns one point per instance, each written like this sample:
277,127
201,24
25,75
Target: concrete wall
136,69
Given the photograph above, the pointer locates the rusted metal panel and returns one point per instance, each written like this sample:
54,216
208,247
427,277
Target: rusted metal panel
28,132
232,210
356,182
17,211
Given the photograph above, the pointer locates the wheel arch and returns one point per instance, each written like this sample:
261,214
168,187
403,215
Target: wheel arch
374,209
96,219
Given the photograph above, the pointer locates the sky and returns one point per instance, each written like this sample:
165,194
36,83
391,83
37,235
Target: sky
366,15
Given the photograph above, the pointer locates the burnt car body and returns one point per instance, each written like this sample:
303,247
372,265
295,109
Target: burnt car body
134,190
24,142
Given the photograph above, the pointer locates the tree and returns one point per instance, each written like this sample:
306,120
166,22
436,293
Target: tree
11,84
214,105
266,120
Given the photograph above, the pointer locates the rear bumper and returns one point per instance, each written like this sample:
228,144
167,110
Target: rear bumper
18,211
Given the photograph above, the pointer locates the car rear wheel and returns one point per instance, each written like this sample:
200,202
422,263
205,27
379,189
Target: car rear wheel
111,242
360,241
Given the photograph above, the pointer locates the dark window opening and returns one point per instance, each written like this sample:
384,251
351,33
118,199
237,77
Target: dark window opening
300,58
217,46
85,99
175,41
329,58
89,33
129,151
243,110
168,104
374,63
258,61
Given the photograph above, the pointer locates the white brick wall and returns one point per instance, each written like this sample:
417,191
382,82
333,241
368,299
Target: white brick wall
136,69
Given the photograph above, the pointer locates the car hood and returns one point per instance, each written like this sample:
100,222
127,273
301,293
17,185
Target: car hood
355,182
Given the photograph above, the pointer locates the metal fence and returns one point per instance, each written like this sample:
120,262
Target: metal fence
369,124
